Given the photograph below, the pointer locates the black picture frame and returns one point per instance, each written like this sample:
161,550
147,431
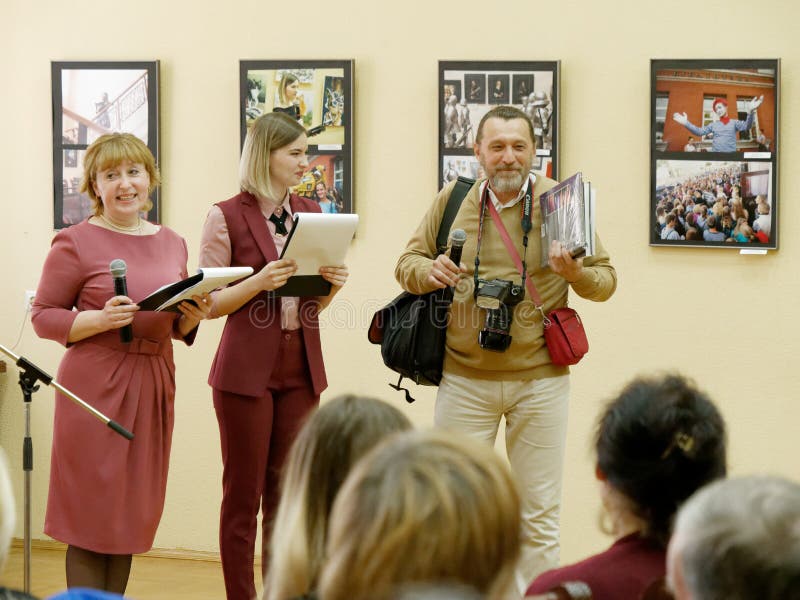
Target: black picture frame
89,99
458,122
325,99
714,153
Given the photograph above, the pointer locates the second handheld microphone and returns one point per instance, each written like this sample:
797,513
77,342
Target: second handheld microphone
118,270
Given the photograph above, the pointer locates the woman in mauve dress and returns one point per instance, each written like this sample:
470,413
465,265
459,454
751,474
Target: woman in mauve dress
107,493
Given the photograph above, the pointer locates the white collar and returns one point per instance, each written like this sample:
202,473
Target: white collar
531,178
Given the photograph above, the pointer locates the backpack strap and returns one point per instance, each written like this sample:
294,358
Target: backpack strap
457,195
463,185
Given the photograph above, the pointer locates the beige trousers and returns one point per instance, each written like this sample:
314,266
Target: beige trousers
536,426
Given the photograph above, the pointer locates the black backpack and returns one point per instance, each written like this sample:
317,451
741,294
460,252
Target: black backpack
411,329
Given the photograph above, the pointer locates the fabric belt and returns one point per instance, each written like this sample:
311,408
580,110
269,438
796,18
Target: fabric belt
137,345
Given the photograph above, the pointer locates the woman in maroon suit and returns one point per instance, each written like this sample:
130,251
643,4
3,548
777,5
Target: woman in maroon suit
268,371
106,493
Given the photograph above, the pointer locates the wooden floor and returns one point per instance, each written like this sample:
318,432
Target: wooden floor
152,578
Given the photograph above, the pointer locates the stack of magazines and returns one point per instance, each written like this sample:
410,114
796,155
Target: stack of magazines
568,216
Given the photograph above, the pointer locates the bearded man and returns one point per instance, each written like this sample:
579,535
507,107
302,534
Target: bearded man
496,361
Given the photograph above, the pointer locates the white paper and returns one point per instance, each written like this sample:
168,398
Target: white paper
212,278
319,240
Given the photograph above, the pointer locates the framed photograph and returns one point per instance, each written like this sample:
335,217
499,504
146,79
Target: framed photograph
714,148
452,88
91,99
533,87
499,92
475,88
521,87
319,93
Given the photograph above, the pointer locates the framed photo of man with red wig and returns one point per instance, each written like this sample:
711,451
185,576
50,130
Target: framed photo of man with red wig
714,141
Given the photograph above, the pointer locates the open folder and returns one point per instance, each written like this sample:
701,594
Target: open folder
316,240
205,280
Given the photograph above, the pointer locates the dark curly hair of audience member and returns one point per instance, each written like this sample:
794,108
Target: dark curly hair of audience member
658,442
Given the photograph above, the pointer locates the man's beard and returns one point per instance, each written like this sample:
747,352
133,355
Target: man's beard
507,181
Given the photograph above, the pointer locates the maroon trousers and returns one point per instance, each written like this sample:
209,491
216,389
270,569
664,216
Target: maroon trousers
255,435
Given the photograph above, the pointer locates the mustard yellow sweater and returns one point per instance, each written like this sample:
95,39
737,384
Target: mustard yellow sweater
527,357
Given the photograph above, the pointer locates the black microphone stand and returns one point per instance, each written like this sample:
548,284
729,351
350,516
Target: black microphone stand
29,376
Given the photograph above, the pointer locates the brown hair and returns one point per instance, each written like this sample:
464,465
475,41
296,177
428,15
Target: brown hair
109,151
507,113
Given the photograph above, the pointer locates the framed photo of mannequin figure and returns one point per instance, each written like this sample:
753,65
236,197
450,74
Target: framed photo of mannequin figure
531,86
319,94
714,149
91,99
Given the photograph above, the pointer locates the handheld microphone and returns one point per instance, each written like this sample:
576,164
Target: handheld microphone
457,239
118,270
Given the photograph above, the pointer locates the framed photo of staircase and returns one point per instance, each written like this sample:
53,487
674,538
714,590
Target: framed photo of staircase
91,99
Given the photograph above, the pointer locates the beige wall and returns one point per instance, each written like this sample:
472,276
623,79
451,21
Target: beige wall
727,320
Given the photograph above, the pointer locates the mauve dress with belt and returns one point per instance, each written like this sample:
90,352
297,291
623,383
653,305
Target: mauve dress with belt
107,493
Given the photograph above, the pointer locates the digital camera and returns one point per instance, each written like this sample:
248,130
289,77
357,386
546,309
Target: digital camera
498,297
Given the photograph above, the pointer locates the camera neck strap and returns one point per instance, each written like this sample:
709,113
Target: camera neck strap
512,251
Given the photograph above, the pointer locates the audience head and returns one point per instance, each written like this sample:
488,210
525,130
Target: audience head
424,507
657,442
693,234
269,132
7,510
738,539
327,446
746,231
110,151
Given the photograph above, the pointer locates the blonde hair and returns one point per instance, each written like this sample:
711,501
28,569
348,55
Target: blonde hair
269,132
7,510
326,448
287,79
109,151
432,507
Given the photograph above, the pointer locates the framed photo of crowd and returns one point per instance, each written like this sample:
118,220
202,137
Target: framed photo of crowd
470,89
714,147
319,94
91,99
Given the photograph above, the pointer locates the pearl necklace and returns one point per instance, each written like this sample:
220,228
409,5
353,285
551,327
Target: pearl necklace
137,229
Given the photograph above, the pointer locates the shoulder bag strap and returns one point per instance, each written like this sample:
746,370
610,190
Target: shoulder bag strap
462,187
514,255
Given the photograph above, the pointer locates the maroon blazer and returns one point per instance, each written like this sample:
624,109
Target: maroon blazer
248,350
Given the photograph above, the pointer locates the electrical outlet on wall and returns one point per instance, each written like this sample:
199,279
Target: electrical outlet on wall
29,296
